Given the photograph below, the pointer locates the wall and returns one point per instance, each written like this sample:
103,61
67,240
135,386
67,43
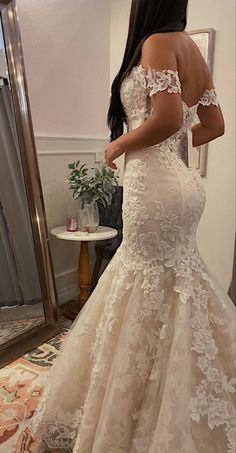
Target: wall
217,227
67,58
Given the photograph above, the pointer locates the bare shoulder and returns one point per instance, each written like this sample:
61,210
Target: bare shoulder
159,47
158,40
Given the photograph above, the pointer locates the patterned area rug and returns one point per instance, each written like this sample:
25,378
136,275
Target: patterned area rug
21,385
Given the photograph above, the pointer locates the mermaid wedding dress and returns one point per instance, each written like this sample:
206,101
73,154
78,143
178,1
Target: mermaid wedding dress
147,366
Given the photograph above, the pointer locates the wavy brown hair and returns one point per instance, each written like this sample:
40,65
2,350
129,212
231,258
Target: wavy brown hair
146,18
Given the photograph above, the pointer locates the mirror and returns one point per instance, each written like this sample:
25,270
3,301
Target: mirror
21,305
27,290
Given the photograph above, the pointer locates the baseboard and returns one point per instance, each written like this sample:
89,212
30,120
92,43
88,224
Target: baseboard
66,283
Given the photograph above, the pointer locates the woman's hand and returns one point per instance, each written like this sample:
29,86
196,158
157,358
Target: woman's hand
112,151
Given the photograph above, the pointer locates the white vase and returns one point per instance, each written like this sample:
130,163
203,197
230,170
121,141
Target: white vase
88,217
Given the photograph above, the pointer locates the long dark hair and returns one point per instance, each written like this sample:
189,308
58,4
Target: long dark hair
146,17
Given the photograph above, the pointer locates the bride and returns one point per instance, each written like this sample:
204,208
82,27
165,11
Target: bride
148,364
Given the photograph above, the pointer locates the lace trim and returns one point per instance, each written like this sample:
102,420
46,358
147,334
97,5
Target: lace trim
166,79
209,97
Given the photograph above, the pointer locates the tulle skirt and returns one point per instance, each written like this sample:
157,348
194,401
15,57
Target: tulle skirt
147,367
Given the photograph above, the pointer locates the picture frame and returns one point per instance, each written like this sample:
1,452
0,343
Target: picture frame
205,40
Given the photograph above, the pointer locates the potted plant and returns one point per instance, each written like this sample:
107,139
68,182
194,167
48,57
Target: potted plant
91,190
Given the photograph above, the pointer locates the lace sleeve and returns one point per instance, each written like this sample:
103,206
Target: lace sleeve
209,97
162,80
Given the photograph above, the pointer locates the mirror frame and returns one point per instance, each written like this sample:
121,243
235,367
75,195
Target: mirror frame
28,340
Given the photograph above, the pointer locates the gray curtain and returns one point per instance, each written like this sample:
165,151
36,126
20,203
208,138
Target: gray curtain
19,280
232,288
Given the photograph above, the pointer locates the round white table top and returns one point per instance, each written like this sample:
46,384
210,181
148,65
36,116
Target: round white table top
102,233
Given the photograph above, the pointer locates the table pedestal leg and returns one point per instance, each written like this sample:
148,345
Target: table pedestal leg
72,310
83,274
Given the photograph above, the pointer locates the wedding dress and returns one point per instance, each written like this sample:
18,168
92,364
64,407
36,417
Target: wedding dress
148,364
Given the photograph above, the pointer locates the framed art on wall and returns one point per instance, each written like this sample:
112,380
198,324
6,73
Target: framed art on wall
205,40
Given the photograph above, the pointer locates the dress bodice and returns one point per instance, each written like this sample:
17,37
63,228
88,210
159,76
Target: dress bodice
136,92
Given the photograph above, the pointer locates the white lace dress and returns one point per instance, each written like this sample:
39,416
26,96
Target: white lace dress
148,364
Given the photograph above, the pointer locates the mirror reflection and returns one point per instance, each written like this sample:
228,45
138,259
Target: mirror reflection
21,305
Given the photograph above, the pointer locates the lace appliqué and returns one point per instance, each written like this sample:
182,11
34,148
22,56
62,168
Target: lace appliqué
162,80
61,430
211,398
209,97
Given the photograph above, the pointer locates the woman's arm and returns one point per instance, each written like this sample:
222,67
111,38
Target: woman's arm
153,131
211,125
210,115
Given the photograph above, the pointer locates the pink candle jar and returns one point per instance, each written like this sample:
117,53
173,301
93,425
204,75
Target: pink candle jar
72,224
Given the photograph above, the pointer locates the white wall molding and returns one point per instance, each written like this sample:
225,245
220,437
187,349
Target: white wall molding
60,146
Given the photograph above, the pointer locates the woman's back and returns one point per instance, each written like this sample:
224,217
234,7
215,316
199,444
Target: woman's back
193,71
176,51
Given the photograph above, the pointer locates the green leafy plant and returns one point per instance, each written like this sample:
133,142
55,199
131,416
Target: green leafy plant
96,188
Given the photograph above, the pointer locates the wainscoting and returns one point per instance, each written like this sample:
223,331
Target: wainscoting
54,153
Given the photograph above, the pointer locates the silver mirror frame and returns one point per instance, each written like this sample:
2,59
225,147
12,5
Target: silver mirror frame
33,337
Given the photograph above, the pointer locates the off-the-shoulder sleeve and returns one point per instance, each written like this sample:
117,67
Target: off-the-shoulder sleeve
209,97
167,79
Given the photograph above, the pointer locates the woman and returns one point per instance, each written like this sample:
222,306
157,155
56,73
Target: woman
147,365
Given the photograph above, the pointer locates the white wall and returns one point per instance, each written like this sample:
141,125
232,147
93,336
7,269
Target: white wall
66,50
217,227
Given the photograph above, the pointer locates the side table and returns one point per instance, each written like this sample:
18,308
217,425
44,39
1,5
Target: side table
101,234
